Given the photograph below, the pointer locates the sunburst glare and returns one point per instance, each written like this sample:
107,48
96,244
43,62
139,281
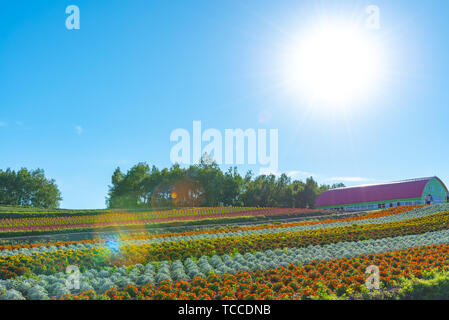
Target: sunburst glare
333,64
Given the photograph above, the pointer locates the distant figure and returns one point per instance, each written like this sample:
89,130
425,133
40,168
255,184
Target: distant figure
429,199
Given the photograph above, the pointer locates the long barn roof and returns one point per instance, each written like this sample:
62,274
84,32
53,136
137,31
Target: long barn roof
371,193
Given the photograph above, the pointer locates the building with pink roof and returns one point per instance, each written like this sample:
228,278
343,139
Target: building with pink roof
368,197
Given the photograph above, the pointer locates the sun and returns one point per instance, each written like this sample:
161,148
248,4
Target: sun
333,64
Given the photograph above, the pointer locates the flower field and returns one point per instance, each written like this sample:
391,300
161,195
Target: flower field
78,223
313,258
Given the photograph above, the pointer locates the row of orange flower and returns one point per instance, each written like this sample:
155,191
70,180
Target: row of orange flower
339,277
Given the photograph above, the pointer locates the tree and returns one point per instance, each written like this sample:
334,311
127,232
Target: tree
127,191
117,177
205,184
307,196
28,188
231,188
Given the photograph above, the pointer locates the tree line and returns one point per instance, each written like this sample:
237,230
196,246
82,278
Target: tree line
28,189
142,186
207,185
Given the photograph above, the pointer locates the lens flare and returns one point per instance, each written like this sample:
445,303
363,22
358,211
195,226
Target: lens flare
113,245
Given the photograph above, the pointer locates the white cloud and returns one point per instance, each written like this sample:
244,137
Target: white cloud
298,173
351,179
2,124
79,130
290,174
268,171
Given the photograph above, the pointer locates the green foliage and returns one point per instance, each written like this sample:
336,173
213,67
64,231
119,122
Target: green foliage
28,188
436,287
206,185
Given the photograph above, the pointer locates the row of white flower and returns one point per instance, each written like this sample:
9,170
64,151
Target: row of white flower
416,213
54,286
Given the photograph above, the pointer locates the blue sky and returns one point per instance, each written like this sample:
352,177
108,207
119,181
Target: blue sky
80,103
